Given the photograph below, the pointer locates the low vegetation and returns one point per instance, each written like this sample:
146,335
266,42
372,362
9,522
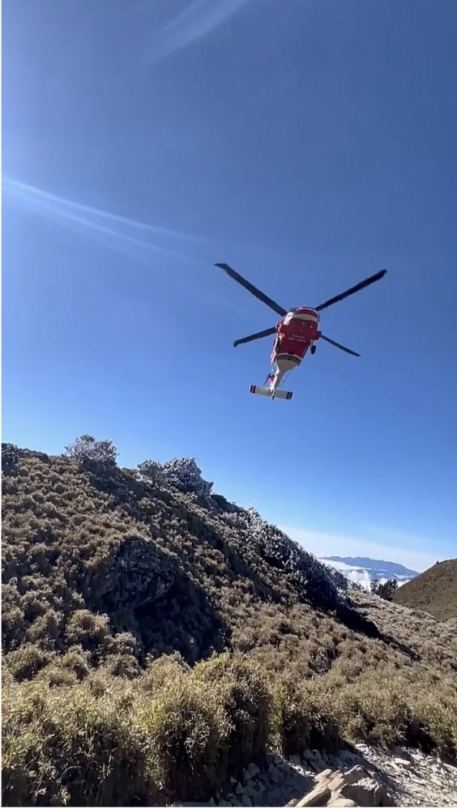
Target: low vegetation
434,591
157,639
385,589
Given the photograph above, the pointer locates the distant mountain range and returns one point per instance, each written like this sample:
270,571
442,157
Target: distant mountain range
363,571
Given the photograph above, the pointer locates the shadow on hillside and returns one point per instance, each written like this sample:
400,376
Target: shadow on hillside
127,492
289,785
183,620
180,609
355,620
161,606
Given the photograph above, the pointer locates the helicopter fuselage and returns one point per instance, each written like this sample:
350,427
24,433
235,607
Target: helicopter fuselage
295,334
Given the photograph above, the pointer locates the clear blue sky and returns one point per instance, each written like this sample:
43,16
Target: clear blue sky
306,143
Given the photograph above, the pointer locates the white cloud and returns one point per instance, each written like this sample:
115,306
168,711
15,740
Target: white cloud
102,226
146,243
67,208
198,19
355,574
323,544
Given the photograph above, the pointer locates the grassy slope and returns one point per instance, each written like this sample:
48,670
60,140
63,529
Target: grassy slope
434,591
91,679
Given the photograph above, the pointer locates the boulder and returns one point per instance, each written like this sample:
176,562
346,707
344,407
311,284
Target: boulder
403,762
319,796
274,797
325,775
355,787
253,791
251,772
366,792
340,779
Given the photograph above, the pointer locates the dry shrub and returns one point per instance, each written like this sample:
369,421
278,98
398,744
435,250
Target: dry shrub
246,702
76,660
65,747
26,662
374,711
55,676
13,620
302,717
89,630
187,731
123,665
45,630
163,670
405,707
434,717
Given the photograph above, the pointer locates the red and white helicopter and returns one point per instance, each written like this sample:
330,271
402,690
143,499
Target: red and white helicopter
295,334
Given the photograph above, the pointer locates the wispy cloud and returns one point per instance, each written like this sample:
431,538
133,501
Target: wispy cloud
106,228
323,544
189,255
199,18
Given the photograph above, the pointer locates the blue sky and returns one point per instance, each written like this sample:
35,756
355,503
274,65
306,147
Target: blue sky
306,143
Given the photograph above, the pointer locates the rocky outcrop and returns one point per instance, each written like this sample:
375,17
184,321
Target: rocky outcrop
355,787
363,776
136,573
313,779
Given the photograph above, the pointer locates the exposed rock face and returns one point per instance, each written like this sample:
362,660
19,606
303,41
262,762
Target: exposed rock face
353,786
319,796
136,574
360,777
356,785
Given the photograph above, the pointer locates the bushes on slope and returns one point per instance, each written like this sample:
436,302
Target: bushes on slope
90,738
64,746
302,717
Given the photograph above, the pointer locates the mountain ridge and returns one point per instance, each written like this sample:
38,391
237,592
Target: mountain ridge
363,571
171,638
433,591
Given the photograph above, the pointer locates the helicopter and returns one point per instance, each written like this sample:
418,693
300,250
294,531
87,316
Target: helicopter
296,333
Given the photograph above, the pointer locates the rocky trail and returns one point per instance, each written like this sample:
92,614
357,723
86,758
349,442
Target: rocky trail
363,776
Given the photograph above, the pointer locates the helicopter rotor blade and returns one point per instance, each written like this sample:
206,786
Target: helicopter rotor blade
257,336
371,280
253,290
338,345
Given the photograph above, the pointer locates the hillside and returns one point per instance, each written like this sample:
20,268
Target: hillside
364,571
434,591
162,638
